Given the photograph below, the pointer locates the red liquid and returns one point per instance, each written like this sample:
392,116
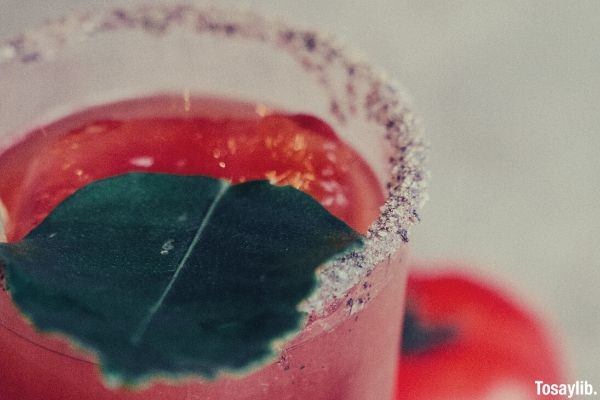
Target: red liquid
299,150
210,137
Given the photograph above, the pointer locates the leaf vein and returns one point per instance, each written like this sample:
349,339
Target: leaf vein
145,322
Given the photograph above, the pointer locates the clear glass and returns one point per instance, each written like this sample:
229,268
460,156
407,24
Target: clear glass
348,349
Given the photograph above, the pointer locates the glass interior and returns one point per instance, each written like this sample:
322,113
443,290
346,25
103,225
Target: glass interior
87,59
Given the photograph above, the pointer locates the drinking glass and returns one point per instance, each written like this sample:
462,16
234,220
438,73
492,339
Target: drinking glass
348,348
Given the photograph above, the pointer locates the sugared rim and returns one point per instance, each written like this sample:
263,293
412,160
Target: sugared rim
383,103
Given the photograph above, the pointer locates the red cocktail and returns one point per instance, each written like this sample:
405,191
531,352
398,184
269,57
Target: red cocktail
348,348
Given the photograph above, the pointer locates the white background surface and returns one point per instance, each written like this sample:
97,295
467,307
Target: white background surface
510,95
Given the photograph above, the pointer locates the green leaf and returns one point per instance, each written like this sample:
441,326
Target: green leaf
166,275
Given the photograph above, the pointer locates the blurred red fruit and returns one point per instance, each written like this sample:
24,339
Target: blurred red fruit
465,339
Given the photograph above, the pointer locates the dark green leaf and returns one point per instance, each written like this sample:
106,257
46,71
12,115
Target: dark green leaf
174,275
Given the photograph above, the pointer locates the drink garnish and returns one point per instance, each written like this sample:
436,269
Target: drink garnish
169,276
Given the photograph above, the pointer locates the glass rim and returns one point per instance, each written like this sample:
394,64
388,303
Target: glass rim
386,105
